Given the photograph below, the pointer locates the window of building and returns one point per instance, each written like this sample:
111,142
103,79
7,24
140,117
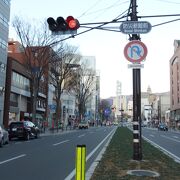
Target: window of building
2,67
7,2
41,103
3,44
20,81
14,97
4,21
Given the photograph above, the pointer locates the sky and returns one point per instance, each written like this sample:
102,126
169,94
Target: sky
108,47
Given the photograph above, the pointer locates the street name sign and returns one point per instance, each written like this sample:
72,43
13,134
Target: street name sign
135,51
135,27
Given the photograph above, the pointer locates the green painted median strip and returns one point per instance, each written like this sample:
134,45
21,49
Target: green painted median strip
117,160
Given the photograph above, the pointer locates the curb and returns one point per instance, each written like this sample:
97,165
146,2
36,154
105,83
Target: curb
176,159
91,170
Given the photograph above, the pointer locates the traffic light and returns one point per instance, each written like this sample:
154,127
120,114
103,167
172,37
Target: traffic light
60,26
73,24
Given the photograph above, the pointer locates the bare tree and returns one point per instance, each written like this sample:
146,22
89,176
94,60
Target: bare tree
61,74
84,84
37,43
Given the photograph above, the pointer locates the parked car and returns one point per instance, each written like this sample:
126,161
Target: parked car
83,125
23,129
162,127
4,136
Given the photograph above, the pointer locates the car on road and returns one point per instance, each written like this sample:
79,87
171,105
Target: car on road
23,129
115,123
83,125
4,136
162,127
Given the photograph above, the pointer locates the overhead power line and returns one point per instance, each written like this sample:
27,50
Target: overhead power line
84,13
155,16
102,10
100,27
166,22
171,2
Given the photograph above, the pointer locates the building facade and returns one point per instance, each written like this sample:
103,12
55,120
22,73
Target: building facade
175,85
4,32
17,93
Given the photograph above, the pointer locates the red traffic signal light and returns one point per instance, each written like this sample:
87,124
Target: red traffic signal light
73,24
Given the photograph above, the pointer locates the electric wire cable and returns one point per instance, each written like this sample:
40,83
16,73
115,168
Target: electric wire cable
84,13
104,10
165,1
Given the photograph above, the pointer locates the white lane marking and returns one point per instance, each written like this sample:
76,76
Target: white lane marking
81,135
91,169
176,158
152,135
72,174
175,137
170,138
18,143
14,158
60,143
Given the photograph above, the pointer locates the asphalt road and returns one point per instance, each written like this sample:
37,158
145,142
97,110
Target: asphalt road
51,157
168,141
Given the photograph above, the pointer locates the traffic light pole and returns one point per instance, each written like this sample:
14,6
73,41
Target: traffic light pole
137,149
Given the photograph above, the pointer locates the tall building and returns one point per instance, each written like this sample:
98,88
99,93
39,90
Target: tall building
97,95
118,98
4,32
175,83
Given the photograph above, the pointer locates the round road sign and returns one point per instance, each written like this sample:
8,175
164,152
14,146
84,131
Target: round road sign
135,51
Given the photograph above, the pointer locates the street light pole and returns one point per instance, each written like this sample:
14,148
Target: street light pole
137,149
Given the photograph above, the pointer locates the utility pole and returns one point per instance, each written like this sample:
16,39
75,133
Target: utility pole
137,149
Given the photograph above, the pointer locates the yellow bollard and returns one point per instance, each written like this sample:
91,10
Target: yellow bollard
80,162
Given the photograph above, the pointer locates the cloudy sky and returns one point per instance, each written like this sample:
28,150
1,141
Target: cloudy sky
108,46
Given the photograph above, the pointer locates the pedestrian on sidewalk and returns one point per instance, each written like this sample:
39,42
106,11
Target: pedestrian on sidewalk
69,121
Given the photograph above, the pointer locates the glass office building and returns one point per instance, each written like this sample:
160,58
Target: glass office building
4,31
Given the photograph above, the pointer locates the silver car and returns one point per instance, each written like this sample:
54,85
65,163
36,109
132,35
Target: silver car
4,136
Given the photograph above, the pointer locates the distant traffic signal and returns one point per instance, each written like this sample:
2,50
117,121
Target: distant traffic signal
61,26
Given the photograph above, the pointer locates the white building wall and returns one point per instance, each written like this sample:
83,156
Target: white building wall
90,62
